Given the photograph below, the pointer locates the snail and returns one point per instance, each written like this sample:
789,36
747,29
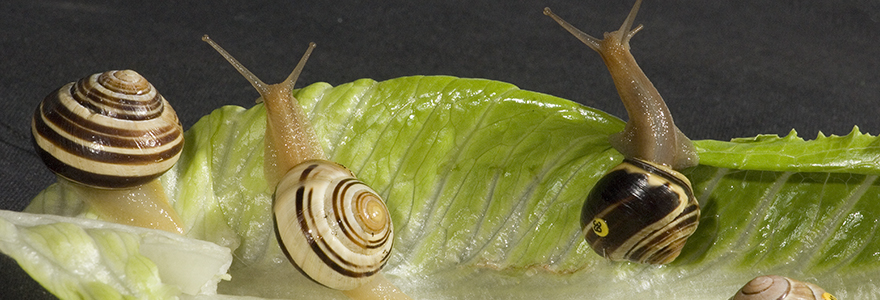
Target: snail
643,210
334,228
108,137
773,287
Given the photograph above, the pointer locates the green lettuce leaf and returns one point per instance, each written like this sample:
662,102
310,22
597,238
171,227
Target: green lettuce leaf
485,184
855,153
77,258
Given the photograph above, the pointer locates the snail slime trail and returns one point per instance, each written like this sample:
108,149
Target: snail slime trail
334,228
108,137
643,210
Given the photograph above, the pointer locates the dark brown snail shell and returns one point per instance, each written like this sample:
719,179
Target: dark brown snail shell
108,130
640,211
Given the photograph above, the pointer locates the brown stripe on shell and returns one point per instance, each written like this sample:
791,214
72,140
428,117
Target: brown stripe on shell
676,179
307,171
324,252
666,243
114,96
301,217
341,219
89,178
96,153
108,134
319,246
117,101
63,117
686,219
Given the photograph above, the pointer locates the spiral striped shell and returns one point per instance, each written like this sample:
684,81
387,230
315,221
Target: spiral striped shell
773,287
108,130
640,211
335,228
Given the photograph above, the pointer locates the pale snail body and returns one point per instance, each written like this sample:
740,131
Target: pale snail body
108,137
773,287
333,227
653,226
341,226
108,130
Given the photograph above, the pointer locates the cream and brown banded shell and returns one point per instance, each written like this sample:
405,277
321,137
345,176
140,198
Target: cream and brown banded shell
773,287
335,228
640,211
108,130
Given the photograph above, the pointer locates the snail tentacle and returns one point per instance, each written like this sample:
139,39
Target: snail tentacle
650,132
290,138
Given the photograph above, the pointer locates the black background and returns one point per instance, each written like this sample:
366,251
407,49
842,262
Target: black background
726,69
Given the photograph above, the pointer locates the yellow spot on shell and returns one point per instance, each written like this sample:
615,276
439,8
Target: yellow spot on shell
600,228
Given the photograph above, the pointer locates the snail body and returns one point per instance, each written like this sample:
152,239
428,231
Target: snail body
773,287
333,227
108,137
643,210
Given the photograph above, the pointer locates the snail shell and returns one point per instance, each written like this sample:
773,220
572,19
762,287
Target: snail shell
335,228
108,130
640,211
773,287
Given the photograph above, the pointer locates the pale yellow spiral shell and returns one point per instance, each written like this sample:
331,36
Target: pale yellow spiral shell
335,228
